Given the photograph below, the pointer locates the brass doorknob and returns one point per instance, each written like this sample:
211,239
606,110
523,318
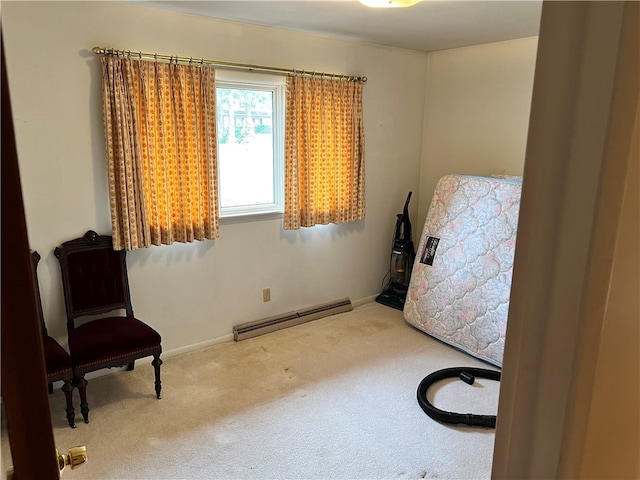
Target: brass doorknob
76,457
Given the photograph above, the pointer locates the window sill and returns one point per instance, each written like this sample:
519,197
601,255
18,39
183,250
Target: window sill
250,217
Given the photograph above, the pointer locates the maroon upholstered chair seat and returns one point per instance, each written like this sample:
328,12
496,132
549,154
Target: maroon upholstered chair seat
107,341
95,283
56,359
58,363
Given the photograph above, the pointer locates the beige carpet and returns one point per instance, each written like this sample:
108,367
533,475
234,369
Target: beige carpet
330,399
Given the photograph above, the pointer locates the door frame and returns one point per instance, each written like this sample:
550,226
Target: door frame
584,102
24,385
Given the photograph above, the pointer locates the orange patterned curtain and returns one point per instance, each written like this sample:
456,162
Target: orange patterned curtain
160,130
324,152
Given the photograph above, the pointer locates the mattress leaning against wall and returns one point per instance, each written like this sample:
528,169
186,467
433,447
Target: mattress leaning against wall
461,281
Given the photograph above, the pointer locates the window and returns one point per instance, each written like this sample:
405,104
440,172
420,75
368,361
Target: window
165,173
250,126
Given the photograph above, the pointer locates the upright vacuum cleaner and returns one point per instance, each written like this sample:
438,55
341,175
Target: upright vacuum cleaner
401,262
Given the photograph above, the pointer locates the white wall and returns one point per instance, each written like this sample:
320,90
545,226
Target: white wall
194,293
476,112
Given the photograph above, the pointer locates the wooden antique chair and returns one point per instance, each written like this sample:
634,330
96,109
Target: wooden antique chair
57,361
95,282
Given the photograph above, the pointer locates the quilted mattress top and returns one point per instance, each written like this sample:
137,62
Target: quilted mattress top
461,280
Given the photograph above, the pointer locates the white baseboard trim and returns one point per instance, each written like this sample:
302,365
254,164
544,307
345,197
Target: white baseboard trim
362,301
197,346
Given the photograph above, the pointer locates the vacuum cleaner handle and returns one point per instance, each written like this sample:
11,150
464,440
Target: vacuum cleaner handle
405,219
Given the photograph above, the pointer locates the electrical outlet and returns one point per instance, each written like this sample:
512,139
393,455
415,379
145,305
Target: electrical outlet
266,294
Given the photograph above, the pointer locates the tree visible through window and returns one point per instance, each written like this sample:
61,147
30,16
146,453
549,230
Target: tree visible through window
249,152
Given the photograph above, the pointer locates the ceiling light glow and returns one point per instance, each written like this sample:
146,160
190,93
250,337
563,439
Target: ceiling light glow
389,3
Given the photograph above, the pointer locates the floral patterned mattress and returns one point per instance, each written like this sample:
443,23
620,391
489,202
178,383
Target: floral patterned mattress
461,280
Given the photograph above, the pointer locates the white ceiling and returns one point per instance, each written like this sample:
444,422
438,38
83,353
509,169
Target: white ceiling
428,26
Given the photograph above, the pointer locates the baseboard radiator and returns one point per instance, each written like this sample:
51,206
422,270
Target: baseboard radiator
278,322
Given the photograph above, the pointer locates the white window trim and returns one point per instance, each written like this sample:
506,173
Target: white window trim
276,85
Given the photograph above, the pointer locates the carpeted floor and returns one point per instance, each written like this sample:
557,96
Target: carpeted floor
331,399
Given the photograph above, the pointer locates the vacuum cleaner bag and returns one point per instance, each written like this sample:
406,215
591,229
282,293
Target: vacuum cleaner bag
461,280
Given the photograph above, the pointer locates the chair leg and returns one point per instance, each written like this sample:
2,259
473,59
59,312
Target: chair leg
81,383
50,385
156,366
131,366
67,388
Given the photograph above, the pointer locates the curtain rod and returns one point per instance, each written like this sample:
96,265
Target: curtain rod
233,66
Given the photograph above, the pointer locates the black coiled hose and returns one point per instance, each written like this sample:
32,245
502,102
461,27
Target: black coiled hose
451,417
